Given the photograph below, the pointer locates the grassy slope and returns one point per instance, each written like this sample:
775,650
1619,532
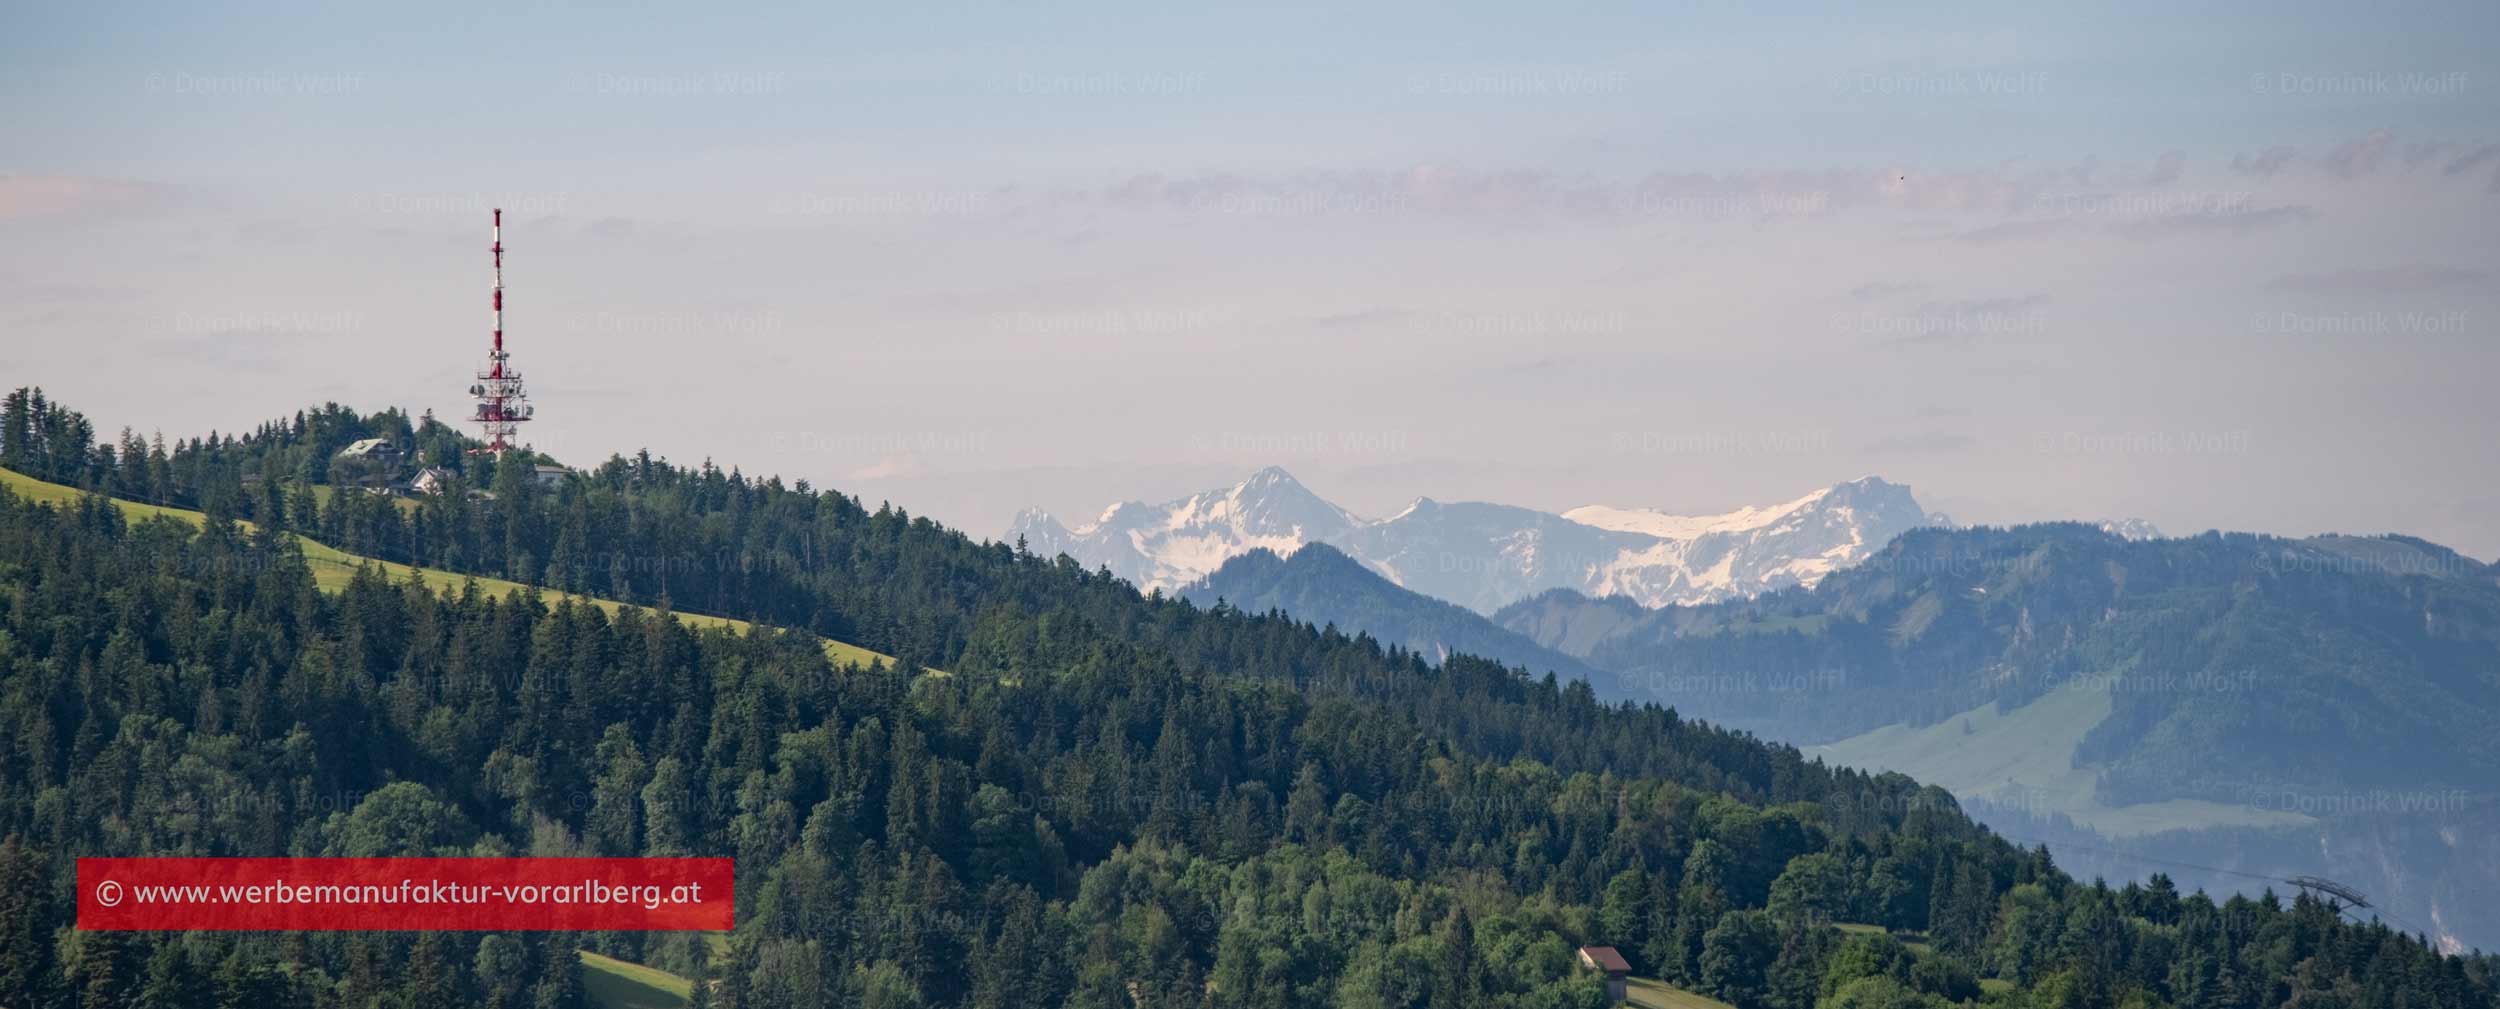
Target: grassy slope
615,984
1908,941
1661,995
332,567
322,493
2025,759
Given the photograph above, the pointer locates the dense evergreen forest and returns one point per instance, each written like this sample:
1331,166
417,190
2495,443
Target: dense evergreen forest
1105,799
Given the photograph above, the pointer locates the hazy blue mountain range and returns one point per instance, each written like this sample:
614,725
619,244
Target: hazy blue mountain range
2396,637
1320,585
2263,706
2320,705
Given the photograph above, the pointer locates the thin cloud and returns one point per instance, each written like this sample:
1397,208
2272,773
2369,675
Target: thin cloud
2356,158
2422,152
231,350
891,467
2408,279
1956,323
2014,231
2363,156
1433,189
28,196
2227,221
2167,168
2264,164
1764,195
1967,306
2472,159
1922,443
1880,290
1363,317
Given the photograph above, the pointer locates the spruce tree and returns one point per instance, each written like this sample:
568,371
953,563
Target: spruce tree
29,972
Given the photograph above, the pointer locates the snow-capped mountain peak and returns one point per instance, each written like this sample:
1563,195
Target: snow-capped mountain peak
1485,556
1650,522
1270,476
2131,529
1700,558
1178,542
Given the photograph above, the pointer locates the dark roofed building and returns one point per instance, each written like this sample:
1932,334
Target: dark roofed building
375,449
1604,960
372,464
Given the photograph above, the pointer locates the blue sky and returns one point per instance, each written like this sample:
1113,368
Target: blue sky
2224,266
1712,84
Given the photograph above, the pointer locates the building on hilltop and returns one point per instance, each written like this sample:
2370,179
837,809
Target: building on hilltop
430,480
372,450
372,464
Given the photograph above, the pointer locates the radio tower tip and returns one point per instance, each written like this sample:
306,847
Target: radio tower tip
502,403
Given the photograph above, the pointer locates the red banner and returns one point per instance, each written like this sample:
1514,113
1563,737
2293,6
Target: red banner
345,894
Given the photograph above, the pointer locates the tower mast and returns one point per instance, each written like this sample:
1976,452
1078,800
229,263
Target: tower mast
502,403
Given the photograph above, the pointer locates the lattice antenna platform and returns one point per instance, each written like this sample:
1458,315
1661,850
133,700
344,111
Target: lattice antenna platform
502,402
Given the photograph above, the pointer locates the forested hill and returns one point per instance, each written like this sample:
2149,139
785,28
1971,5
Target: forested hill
1108,800
2271,706
2230,662
1321,585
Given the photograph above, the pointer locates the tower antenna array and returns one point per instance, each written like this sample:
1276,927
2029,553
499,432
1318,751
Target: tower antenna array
502,402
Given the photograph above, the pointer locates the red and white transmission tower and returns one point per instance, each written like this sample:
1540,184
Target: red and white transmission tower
501,402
